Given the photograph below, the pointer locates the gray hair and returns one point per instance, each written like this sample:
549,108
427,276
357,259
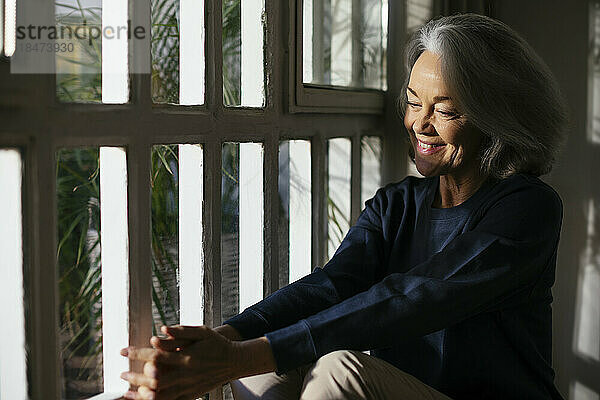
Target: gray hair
501,85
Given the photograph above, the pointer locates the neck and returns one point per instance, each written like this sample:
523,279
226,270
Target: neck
455,189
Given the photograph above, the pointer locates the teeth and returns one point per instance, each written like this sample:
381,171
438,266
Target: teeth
426,146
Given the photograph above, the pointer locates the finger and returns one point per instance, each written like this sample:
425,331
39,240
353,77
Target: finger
130,395
169,344
189,332
139,379
162,378
155,356
146,393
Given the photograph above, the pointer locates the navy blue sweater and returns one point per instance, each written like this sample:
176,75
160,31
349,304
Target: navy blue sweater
459,297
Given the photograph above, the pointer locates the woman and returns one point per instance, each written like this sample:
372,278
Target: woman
446,279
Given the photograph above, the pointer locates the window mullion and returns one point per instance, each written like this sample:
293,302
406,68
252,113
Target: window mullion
140,242
271,214
319,197
212,233
355,181
44,361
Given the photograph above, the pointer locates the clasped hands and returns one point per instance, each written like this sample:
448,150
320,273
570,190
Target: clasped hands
191,361
185,364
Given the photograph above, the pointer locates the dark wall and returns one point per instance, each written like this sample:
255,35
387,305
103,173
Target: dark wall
560,33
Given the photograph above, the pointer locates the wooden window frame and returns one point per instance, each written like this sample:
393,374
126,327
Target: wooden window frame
40,125
311,98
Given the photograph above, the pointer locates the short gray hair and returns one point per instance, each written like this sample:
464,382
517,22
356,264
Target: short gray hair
501,85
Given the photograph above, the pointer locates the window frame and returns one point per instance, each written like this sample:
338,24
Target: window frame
40,125
311,98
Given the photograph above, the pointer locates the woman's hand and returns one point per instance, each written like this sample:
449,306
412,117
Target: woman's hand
194,360
207,360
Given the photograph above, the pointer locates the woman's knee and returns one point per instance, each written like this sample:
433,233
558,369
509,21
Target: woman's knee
337,375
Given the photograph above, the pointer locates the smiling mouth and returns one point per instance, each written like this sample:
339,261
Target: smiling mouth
426,148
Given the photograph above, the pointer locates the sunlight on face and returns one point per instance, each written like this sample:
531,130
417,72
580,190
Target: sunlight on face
443,140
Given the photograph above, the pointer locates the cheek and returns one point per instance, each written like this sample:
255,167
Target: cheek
408,120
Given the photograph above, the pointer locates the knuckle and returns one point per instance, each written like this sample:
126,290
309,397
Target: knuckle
156,357
153,383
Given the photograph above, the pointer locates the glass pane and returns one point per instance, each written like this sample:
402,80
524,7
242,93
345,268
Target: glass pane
79,67
338,191
230,201
242,227
13,363
295,210
370,167
92,51
165,236
79,268
177,262
344,43
243,47
165,51
92,193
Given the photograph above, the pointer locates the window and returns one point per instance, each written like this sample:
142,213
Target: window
340,59
180,190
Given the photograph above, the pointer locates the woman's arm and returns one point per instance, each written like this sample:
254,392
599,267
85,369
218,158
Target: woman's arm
358,263
495,265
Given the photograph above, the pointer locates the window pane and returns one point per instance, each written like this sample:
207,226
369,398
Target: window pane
92,193
165,236
370,167
178,51
80,282
92,51
177,264
243,42
165,51
13,367
338,191
295,210
344,42
242,227
78,69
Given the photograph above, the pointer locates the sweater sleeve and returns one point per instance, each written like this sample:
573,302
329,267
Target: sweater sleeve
355,266
494,265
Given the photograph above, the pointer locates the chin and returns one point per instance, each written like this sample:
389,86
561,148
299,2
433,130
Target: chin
426,168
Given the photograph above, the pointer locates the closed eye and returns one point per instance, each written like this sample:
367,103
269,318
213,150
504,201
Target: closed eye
449,114
413,104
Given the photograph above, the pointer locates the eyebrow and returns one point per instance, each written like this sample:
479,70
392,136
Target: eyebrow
436,98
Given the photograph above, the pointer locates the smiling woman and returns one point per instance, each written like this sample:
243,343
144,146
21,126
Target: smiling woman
446,279
444,142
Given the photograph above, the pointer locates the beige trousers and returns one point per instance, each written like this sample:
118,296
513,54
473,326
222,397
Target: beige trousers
346,375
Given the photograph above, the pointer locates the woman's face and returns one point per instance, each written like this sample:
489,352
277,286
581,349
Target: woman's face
443,140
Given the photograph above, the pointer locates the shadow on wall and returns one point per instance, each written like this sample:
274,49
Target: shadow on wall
584,380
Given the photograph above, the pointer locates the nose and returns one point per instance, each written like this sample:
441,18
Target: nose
422,123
